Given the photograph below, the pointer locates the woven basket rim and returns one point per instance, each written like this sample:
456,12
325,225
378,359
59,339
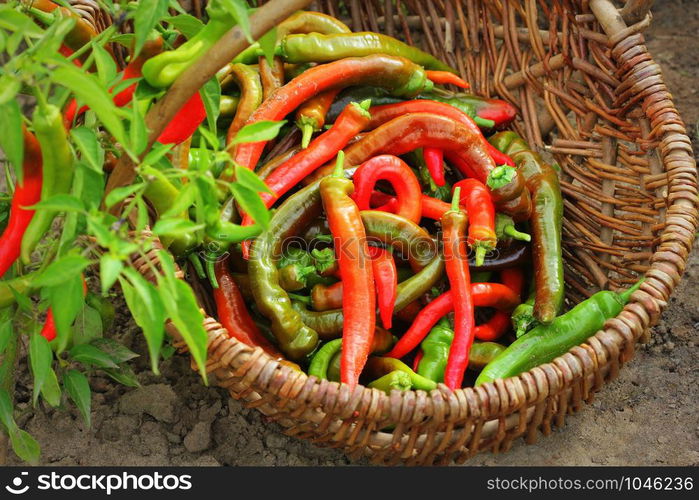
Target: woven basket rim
609,347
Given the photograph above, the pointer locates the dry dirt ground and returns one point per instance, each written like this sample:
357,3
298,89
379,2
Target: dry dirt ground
647,416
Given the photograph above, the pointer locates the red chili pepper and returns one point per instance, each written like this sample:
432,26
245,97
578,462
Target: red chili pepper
234,315
325,298
358,293
387,112
27,193
446,77
475,198
185,122
433,208
323,148
434,161
399,175
386,277
395,73
48,331
513,278
454,224
416,362
493,295
383,202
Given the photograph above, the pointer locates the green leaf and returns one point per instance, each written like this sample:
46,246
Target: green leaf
106,67
156,153
146,306
91,92
137,131
146,17
239,10
175,226
40,358
61,270
118,194
124,375
110,269
66,302
88,354
89,185
183,310
251,203
25,446
118,352
61,203
6,334
268,43
6,413
185,24
51,391
88,145
47,47
87,326
9,87
78,389
183,201
259,131
13,20
250,180
11,138
211,96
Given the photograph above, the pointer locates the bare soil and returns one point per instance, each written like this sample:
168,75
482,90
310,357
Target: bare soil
647,416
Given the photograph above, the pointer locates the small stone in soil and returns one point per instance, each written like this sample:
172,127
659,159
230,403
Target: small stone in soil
199,438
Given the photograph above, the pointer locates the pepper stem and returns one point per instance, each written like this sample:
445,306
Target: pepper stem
626,295
339,165
456,199
480,255
483,122
306,134
517,235
500,176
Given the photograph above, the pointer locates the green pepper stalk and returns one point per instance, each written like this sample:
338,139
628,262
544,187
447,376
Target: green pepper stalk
396,380
546,342
379,366
505,229
162,70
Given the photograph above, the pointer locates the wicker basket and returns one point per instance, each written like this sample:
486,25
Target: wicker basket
589,94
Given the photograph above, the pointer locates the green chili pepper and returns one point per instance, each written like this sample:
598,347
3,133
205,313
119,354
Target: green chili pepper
328,324
294,277
320,48
523,318
228,105
295,338
163,69
546,223
382,342
57,173
396,380
546,342
379,366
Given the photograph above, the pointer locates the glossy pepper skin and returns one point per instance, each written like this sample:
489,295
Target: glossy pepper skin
412,131
328,324
358,293
295,339
447,78
310,117
497,326
401,177
248,81
387,112
380,366
434,161
483,295
271,75
397,74
454,224
546,224
386,277
81,34
546,342
500,113
57,172
382,342
475,198
233,313
326,297
185,122
320,48
162,70
27,193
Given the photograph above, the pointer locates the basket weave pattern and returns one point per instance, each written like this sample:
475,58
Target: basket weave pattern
590,94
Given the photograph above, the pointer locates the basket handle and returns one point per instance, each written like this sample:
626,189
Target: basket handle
635,10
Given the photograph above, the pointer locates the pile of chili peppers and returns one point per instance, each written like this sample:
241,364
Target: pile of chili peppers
406,224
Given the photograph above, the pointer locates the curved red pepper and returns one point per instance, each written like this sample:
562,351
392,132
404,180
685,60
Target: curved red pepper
185,122
387,112
475,198
513,278
434,161
386,278
399,175
26,194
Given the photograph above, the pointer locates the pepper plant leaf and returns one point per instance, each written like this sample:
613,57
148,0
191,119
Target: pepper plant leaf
86,140
146,17
268,44
250,180
239,10
259,131
251,203
61,270
78,389
11,140
40,358
185,24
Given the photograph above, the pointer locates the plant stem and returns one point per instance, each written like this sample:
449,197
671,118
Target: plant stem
191,80
7,377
